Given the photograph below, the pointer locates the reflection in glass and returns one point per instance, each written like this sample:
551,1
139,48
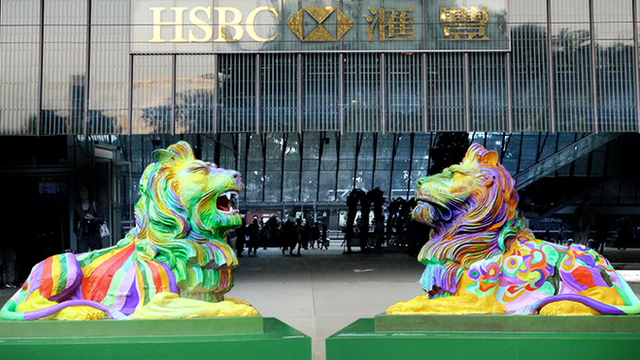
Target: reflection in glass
109,69
616,93
237,94
19,51
572,80
530,78
64,67
279,93
362,95
404,92
151,113
445,92
196,80
320,92
613,19
488,92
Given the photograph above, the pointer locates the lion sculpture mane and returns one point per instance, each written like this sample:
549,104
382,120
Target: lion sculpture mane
480,258
175,262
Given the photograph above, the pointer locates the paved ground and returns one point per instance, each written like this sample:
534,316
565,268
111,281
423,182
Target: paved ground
323,291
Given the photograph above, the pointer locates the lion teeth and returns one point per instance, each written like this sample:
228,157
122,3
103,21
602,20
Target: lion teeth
227,201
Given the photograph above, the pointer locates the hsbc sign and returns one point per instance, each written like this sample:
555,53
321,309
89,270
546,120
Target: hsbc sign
196,26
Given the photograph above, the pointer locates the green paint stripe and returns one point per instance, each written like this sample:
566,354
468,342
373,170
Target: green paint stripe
145,282
64,273
115,284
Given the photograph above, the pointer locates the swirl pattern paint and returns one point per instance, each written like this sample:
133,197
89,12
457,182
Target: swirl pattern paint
480,249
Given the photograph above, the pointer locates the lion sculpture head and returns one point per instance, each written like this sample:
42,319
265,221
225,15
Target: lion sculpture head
185,210
472,208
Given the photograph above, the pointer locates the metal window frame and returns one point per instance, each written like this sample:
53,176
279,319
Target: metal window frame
594,84
636,67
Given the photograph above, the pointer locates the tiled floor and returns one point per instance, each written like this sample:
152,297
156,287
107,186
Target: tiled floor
323,291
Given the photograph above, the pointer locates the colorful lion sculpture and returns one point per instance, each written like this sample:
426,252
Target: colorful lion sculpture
174,263
481,259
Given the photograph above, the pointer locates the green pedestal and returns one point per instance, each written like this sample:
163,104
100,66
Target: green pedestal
206,338
487,337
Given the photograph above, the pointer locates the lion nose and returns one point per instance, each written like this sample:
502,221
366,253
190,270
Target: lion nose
421,181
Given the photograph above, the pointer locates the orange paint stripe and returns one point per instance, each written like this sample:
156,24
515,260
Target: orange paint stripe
157,282
46,283
107,268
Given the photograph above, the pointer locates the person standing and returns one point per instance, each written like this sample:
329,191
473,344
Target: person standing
253,232
241,237
324,241
87,220
583,219
7,264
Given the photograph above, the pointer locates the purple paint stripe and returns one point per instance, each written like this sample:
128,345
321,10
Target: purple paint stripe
133,299
173,286
125,286
34,278
602,308
37,314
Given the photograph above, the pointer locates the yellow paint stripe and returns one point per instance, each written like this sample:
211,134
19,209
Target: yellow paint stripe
140,283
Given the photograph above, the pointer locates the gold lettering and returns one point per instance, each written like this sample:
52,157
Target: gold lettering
251,20
222,21
393,24
464,23
208,31
158,23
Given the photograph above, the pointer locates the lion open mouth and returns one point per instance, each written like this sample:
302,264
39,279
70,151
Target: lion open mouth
431,211
227,202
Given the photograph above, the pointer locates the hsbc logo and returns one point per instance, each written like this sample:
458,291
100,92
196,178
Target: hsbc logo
302,24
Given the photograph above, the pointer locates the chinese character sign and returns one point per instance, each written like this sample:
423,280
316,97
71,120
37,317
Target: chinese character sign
393,24
464,23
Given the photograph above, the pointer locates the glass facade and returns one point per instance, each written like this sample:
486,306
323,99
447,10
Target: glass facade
322,167
70,67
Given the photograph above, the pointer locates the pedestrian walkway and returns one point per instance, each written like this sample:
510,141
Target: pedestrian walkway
322,291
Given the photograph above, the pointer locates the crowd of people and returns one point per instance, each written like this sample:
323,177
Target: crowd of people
291,236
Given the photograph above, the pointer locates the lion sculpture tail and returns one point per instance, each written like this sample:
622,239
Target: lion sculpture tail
47,292
10,310
602,308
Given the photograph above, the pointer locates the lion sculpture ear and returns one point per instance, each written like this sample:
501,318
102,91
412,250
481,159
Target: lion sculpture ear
491,157
163,155
180,151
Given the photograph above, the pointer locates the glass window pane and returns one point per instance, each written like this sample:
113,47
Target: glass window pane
196,79
151,95
445,92
488,92
19,53
362,93
279,92
404,92
616,90
64,67
529,67
320,92
109,69
237,95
